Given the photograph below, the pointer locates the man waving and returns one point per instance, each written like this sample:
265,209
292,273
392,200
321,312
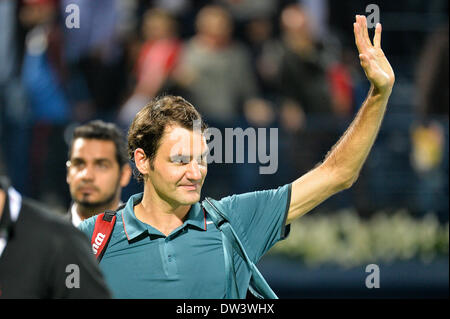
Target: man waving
165,243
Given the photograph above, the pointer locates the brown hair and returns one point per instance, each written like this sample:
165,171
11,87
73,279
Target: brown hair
150,122
99,130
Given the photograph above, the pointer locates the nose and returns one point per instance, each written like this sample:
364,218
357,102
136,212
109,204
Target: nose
87,173
193,172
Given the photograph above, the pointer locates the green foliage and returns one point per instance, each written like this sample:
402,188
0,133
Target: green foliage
346,239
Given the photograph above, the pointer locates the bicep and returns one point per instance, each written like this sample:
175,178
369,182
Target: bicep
258,218
310,190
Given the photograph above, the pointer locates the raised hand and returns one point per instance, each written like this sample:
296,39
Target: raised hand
375,64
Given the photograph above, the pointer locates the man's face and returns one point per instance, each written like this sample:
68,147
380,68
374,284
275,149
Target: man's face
93,174
179,167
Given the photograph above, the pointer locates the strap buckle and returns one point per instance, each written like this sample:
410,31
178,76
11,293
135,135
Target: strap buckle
108,215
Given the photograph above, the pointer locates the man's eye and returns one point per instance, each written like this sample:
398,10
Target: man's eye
77,165
102,165
180,159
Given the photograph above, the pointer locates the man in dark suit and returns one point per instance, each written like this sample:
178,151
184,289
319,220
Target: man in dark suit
41,254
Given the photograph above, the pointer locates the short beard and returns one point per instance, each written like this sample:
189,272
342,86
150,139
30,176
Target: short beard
88,209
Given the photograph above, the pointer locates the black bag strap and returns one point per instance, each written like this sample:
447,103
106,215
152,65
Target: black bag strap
258,285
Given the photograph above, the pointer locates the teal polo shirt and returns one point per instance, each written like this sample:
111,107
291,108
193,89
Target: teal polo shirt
141,262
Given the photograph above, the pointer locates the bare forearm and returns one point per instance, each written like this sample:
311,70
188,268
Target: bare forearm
348,155
343,163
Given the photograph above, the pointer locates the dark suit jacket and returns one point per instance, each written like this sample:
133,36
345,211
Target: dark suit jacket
46,257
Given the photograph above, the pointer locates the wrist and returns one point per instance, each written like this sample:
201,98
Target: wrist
382,92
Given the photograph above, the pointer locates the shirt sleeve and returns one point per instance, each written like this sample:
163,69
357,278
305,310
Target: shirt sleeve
258,218
87,226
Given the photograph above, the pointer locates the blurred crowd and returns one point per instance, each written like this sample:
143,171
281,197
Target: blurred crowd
243,63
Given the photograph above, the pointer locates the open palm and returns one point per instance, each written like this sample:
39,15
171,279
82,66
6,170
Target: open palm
375,64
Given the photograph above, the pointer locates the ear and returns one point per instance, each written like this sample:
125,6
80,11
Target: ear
2,201
67,172
126,175
142,161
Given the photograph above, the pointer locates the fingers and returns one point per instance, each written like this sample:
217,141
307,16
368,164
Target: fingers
356,32
360,43
365,31
361,34
362,39
377,36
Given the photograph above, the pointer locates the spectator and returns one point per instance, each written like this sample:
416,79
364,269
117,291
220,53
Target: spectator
95,56
156,59
305,90
245,11
215,70
267,52
14,112
432,75
43,75
429,135
97,169
303,70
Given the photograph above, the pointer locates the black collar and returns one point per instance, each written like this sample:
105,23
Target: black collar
4,183
6,223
